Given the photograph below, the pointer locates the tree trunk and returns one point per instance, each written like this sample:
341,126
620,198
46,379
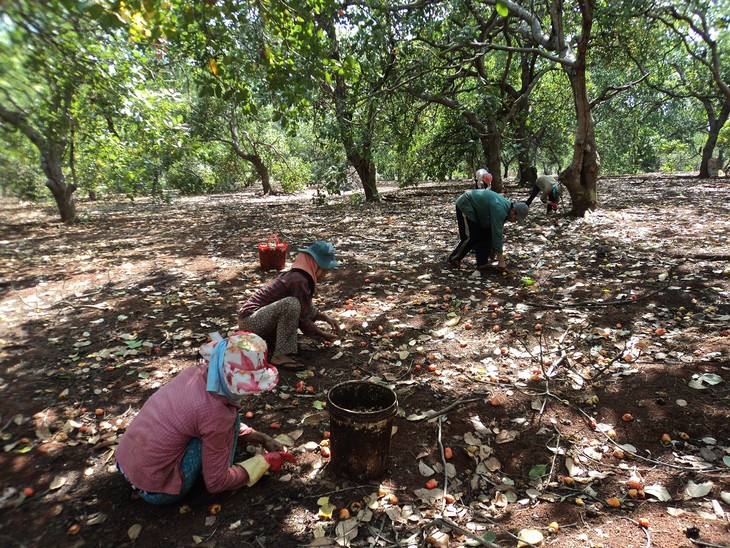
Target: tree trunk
716,124
492,152
263,172
365,168
52,153
581,176
62,193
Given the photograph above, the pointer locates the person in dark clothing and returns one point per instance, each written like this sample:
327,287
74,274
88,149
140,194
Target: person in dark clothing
481,215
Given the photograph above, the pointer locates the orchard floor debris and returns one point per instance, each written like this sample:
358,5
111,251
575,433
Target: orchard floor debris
582,394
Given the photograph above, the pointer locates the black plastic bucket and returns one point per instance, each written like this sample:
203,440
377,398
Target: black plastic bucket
361,419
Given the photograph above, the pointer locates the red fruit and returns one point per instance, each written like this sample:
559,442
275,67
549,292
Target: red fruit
28,491
431,484
416,367
326,434
326,453
432,367
249,414
275,426
448,453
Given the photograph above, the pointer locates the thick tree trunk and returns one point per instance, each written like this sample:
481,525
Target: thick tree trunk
365,168
492,152
62,193
716,124
581,176
263,172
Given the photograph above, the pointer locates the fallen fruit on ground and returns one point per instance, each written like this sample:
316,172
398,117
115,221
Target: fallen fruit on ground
431,484
530,537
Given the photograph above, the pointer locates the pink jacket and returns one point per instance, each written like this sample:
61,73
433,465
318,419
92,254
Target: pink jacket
151,449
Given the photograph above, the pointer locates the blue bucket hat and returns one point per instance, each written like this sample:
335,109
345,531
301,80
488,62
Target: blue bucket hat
323,254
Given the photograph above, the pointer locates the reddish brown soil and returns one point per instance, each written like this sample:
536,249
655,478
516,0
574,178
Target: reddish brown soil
632,304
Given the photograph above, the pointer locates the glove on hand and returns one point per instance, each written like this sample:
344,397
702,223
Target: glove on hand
277,458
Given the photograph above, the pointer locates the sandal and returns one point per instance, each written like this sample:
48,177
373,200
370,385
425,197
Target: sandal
289,365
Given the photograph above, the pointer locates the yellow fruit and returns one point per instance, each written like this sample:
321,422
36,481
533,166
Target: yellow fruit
553,528
214,509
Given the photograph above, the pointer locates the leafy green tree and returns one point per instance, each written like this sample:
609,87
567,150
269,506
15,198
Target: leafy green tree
49,53
696,59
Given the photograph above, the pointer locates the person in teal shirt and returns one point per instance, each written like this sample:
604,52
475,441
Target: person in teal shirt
481,215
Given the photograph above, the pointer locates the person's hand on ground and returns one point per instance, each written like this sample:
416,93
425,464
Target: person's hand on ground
270,444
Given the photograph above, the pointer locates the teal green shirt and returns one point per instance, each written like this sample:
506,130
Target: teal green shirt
487,209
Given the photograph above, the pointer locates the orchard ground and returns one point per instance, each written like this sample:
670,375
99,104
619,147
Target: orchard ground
585,386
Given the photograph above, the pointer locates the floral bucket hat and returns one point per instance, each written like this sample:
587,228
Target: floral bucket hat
238,365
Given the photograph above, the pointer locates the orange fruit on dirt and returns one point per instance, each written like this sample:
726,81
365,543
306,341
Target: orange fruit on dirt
627,417
635,484
613,502
431,484
448,453
666,438
28,491
643,522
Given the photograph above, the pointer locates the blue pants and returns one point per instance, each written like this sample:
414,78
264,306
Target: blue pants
472,237
191,465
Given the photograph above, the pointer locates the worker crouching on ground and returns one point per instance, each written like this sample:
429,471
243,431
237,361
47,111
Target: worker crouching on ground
282,306
191,425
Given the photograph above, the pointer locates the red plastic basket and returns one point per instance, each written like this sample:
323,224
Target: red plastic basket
272,253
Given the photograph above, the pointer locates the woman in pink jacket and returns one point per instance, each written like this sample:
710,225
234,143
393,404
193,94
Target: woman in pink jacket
191,425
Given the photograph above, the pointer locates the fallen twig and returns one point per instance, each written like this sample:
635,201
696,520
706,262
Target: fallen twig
457,403
451,525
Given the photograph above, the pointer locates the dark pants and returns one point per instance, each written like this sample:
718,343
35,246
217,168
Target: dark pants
472,237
